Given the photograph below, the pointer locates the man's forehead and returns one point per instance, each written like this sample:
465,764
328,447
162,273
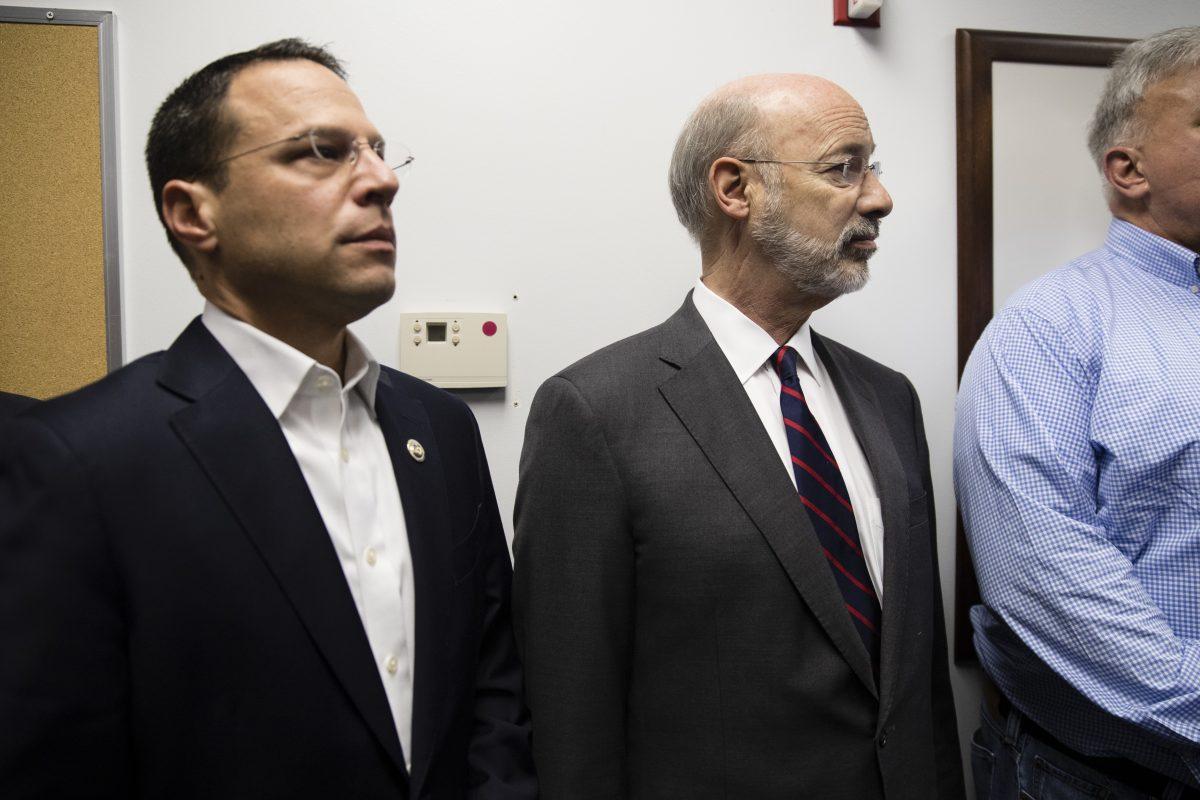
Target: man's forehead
832,123
277,94
1180,85
807,111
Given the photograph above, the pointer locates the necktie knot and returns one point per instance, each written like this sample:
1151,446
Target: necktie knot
784,361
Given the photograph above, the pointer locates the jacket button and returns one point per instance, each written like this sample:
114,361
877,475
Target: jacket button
883,736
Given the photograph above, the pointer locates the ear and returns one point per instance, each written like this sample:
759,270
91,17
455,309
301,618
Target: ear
1123,171
187,209
727,178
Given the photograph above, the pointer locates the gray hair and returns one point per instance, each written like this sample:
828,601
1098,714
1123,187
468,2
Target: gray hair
1139,67
723,126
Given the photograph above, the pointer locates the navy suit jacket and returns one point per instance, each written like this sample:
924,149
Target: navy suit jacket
11,404
175,621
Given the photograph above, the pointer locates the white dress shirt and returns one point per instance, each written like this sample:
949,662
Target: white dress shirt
335,436
749,349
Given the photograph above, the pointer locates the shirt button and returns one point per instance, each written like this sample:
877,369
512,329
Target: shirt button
345,454
324,382
392,664
1195,289
372,557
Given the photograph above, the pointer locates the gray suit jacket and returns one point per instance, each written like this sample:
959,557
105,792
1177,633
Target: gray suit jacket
681,631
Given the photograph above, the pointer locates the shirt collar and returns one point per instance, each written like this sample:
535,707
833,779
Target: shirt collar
1160,257
747,346
280,372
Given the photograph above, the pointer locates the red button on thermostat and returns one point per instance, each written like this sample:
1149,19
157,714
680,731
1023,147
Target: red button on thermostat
489,328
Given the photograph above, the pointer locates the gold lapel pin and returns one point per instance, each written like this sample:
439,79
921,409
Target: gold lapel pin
416,450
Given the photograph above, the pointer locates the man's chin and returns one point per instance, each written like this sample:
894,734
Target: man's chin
365,296
377,295
852,274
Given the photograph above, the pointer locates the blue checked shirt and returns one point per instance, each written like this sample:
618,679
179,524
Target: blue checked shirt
1077,467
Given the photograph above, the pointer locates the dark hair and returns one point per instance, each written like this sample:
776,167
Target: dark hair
190,130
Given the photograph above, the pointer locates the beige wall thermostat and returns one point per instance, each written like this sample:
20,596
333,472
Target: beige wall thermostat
455,350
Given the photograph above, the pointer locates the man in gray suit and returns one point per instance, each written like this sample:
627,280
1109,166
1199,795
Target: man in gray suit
726,568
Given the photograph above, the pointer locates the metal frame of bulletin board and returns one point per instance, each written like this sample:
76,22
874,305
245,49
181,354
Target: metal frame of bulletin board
60,276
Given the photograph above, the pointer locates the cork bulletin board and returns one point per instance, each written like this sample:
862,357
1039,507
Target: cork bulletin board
59,277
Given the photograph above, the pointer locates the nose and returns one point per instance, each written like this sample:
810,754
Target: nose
375,182
874,200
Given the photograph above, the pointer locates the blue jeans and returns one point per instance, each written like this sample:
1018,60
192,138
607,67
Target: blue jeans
1010,764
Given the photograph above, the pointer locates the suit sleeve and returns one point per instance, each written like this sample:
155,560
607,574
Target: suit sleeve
573,597
64,728
945,720
499,759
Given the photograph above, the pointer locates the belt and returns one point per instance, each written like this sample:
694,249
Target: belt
1133,775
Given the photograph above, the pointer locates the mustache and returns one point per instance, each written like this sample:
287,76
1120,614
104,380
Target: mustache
861,228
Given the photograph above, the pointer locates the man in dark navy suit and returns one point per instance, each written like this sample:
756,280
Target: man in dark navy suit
11,404
258,564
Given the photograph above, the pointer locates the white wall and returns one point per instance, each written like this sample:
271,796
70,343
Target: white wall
1055,211
543,129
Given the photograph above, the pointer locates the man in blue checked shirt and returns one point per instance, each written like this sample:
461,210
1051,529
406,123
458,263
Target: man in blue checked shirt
1077,465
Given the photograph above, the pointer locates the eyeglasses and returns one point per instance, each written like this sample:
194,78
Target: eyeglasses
853,169
333,148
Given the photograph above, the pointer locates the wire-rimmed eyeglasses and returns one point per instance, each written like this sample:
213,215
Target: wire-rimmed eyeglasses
854,168
335,147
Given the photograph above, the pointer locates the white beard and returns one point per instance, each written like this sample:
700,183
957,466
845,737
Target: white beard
814,267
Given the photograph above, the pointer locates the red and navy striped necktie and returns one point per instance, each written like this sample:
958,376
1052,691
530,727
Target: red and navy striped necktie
823,493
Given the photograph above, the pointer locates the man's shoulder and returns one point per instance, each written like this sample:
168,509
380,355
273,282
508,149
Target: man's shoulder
442,406
124,395
619,368
862,365
639,346
416,388
115,422
643,357
11,404
1079,286
1071,306
892,388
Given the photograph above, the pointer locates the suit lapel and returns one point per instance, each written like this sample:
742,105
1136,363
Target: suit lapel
426,515
732,437
241,448
867,420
